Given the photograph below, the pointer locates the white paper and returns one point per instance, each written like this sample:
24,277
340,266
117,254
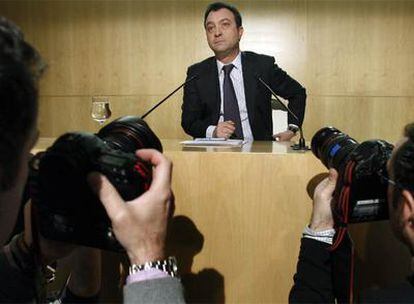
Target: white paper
220,142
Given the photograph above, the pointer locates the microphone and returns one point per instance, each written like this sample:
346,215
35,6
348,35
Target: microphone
302,144
168,96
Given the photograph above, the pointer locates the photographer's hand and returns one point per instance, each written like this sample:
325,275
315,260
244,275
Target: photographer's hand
140,225
322,218
50,250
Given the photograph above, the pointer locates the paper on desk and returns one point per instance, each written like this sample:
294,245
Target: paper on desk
214,142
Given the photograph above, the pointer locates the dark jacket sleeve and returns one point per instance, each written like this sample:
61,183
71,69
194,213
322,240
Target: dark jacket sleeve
165,290
288,88
16,285
192,119
313,278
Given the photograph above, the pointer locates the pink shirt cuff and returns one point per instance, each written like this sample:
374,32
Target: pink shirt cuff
145,275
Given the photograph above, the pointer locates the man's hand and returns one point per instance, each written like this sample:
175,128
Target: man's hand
140,225
50,250
224,129
322,218
284,136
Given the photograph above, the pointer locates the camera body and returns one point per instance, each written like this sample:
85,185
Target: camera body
361,191
67,208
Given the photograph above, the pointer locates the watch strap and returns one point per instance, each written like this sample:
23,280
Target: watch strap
169,266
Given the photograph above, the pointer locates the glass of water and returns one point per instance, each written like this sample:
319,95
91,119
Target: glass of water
100,110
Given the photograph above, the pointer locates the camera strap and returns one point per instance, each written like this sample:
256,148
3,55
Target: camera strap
46,274
343,251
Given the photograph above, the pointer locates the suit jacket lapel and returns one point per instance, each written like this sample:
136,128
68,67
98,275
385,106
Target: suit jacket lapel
212,85
250,86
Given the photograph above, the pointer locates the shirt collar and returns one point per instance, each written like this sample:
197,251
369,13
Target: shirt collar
236,62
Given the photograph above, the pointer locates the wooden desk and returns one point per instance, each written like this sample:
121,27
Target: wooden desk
251,205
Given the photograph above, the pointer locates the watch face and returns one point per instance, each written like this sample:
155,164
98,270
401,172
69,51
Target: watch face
294,129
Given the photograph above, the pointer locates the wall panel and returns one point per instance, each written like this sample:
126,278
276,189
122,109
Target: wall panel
361,48
344,52
59,114
359,116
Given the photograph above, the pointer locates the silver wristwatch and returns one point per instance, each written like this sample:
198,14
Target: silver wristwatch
169,266
293,128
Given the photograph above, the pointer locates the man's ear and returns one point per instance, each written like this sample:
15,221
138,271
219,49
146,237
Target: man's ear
408,207
241,30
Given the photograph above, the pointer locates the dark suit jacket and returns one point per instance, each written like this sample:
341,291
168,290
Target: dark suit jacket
323,276
201,106
158,291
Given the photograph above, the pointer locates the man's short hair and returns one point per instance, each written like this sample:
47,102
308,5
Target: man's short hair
20,66
213,7
403,165
18,113
12,43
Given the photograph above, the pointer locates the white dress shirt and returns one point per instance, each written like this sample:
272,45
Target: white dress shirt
236,76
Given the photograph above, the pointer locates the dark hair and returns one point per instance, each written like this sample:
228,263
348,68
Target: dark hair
20,66
403,164
12,43
18,113
213,7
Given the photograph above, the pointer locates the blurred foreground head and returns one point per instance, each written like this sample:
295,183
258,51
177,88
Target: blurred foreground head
20,67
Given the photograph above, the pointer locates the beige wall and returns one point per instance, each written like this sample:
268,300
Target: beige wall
354,57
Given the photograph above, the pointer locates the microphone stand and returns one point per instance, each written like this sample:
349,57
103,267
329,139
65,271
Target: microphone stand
301,146
168,96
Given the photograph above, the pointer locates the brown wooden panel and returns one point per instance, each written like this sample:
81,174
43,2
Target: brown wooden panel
251,209
361,48
110,47
350,49
63,114
361,117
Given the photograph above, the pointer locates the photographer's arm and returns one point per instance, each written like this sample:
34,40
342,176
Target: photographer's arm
313,278
20,275
140,226
18,272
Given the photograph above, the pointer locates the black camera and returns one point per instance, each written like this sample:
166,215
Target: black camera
361,191
67,208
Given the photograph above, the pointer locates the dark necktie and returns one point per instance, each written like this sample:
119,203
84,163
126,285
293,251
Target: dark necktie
231,107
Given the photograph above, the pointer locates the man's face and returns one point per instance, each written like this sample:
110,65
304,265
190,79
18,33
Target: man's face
396,213
10,200
223,35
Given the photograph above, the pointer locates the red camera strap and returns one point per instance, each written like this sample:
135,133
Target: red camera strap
342,223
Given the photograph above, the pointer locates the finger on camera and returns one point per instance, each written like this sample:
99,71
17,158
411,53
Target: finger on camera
152,156
333,176
326,188
162,172
108,195
172,204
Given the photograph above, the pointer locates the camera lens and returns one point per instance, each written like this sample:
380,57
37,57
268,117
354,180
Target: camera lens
128,134
332,147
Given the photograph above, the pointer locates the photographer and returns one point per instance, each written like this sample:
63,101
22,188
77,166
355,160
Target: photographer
315,278
139,225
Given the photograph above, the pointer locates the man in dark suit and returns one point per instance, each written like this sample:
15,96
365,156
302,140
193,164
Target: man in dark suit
226,99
